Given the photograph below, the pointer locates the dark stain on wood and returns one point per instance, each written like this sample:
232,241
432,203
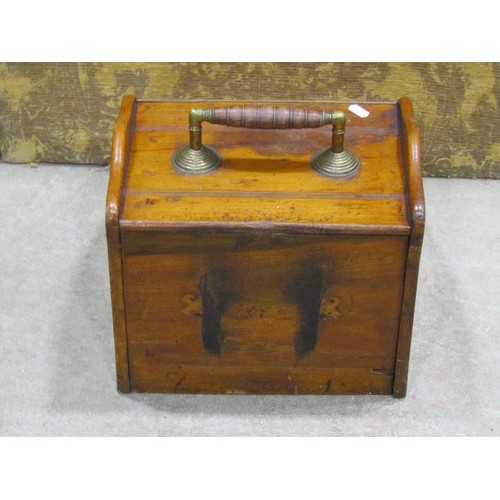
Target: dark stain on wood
243,241
328,386
145,201
178,383
216,294
307,291
385,371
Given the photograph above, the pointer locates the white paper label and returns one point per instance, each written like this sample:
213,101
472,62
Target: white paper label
358,110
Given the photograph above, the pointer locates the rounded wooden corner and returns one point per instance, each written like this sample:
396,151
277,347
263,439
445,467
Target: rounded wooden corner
406,105
412,162
118,165
119,152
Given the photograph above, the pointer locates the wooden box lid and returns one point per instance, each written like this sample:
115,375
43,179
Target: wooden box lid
265,180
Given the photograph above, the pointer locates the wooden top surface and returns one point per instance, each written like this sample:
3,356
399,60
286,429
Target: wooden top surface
265,179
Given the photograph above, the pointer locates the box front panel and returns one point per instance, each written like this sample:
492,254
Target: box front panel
249,313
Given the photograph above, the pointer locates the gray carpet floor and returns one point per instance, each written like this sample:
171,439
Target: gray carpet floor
57,372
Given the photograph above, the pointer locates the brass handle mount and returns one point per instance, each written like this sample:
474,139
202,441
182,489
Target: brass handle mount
198,158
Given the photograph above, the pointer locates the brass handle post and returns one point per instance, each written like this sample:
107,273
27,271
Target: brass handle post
198,158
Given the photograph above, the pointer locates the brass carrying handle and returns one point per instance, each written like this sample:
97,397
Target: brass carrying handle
271,117
197,158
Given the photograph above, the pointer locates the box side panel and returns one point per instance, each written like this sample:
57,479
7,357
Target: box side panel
410,139
119,161
250,313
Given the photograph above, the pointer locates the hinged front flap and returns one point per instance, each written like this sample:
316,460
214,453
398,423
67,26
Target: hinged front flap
265,180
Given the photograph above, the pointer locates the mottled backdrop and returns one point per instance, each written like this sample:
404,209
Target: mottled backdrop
65,112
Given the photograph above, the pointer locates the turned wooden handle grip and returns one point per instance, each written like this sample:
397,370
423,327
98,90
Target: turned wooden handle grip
266,117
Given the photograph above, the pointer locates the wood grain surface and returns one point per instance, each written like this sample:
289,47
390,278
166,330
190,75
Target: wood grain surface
413,168
263,276
119,161
267,117
265,176
265,284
